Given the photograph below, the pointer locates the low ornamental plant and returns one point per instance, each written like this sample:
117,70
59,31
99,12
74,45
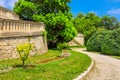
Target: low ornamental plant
62,46
24,51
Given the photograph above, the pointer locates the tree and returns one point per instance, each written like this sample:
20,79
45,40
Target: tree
59,27
110,23
94,18
87,24
54,13
80,15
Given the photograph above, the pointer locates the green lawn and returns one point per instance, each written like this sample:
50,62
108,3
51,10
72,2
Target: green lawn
64,69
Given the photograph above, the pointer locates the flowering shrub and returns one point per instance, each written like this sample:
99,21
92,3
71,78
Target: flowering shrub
24,50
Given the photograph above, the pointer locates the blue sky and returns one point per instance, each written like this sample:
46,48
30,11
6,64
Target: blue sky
100,7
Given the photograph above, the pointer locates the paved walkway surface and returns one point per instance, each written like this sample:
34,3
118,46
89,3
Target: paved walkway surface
105,67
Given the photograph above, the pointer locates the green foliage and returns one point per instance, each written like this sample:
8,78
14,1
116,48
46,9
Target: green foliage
24,50
87,24
62,46
27,8
59,28
96,40
106,42
110,23
111,43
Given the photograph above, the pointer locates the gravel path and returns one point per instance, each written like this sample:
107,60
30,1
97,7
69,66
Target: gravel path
105,67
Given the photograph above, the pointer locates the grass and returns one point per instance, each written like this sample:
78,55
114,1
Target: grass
64,69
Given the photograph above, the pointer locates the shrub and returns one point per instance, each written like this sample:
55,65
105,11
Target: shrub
95,41
62,46
24,50
111,43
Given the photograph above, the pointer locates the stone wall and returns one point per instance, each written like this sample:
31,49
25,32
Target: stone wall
15,32
8,45
7,14
77,41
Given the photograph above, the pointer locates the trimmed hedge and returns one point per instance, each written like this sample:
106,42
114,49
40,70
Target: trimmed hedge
95,41
111,43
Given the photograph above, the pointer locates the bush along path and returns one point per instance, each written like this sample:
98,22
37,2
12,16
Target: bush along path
105,67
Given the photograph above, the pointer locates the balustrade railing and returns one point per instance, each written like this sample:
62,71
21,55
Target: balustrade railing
19,25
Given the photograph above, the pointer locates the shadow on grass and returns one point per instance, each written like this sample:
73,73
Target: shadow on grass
25,66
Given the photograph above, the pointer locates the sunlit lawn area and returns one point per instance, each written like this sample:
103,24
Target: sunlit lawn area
63,69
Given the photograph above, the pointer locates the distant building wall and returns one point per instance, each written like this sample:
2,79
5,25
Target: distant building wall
78,40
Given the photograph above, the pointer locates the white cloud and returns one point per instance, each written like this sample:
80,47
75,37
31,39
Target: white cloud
7,3
114,11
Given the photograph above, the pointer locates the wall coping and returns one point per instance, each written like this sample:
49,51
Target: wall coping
9,34
12,20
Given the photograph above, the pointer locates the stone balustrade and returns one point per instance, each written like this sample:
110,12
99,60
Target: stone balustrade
19,25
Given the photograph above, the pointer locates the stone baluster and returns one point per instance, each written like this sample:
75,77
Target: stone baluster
1,25
16,26
26,26
38,27
11,24
29,26
7,25
33,26
20,26
4,26
23,26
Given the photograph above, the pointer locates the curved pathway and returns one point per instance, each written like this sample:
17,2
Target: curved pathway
105,67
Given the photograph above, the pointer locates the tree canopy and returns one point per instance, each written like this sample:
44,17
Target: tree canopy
110,22
26,8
